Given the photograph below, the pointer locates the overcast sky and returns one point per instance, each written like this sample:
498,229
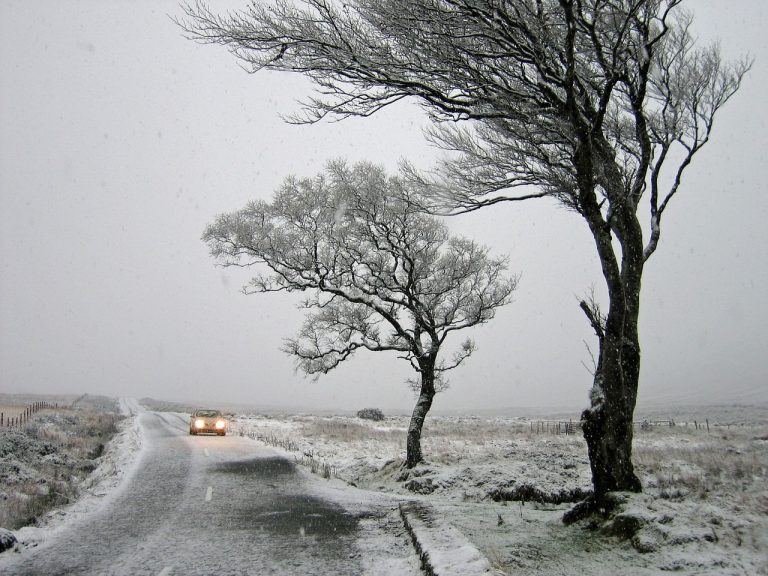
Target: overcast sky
120,140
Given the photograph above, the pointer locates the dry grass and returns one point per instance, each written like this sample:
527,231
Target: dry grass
499,563
700,464
317,465
30,500
347,430
61,448
476,429
81,434
445,440
11,410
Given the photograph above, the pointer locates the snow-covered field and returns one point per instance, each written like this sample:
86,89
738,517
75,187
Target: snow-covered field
505,488
704,509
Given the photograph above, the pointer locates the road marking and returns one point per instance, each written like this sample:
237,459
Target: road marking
167,571
205,451
209,494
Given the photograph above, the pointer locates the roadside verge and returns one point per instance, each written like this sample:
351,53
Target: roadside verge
444,551
118,461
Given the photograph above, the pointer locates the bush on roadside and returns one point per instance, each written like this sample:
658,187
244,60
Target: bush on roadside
371,414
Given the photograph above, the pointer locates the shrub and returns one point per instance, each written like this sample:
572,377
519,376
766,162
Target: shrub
371,414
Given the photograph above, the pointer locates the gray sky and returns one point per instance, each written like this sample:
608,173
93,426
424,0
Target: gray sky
120,141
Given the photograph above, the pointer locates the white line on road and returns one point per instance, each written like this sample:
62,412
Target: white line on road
167,571
205,451
209,494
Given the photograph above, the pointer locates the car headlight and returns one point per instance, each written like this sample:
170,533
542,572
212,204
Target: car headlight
199,423
220,424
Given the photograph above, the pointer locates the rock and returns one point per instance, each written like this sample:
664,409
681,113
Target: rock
645,541
627,524
7,540
613,500
421,485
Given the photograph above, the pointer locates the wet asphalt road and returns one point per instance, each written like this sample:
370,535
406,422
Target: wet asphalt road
213,505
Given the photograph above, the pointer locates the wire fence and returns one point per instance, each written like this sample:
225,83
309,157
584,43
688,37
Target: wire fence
568,427
22,418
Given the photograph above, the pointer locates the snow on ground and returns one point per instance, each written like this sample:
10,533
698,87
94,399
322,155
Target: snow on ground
440,545
704,510
505,489
117,462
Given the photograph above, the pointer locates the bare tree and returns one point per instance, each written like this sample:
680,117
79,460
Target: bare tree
601,104
383,276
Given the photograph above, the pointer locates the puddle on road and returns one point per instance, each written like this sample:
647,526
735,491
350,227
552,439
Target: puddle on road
260,468
282,513
295,515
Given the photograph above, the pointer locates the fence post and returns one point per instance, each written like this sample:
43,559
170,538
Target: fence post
707,424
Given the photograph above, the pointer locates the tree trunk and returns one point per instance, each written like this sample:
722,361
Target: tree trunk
423,404
608,423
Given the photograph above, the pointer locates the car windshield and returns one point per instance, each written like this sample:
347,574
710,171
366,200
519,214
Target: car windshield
208,413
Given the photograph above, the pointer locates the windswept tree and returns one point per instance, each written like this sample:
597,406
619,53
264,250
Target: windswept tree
600,104
382,275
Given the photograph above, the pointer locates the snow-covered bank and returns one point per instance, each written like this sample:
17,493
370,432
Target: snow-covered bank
116,463
705,509
444,550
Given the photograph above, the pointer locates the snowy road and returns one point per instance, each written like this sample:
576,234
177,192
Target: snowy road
212,505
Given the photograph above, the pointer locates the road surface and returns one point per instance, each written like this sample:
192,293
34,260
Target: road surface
224,506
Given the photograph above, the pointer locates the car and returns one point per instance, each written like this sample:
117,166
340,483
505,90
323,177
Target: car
208,421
